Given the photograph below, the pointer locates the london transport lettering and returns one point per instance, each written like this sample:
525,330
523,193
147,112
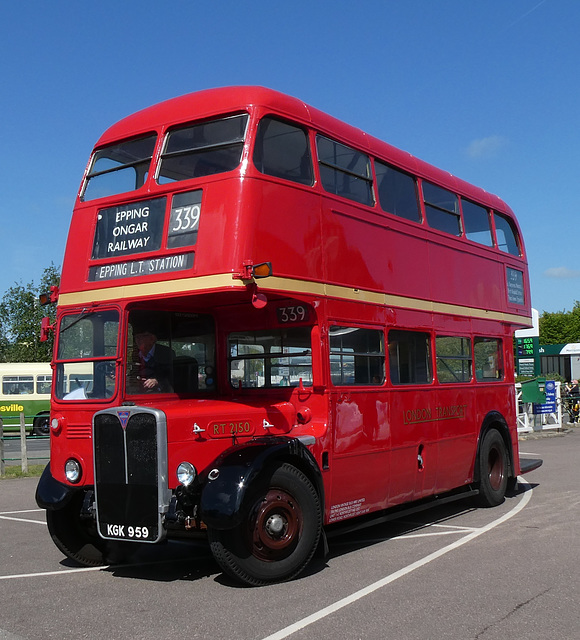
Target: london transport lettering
348,510
426,414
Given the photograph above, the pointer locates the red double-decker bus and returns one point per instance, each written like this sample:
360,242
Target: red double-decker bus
270,323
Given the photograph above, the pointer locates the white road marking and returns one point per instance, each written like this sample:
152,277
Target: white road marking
11,513
23,520
284,633
407,536
379,584
62,572
42,574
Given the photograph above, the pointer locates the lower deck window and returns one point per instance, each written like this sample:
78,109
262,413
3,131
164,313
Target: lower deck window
488,359
409,357
170,352
270,358
357,356
453,359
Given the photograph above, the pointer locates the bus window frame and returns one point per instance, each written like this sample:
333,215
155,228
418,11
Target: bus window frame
60,363
249,130
493,245
500,364
441,210
265,356
255,125
418,199
515,231
345,172
431,366
89,175
370,356
465,358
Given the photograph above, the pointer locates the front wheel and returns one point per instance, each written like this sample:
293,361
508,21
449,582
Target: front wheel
493,469
280,535
78,539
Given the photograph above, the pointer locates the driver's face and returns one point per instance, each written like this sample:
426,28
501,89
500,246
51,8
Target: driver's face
145,342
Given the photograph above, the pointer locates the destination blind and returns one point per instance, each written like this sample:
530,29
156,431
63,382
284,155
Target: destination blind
129,228
148,266
137,228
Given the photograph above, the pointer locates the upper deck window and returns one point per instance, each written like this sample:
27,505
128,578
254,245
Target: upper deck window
345,171
397,192
507,237
442,209
203,149
119,168
282,150
477,225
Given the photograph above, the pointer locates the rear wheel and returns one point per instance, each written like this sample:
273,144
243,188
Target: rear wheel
280,535
493,469
41,426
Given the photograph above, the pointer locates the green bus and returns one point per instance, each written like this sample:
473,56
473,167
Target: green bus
25,388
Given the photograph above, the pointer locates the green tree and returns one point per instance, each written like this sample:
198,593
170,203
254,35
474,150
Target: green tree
560,327
20,318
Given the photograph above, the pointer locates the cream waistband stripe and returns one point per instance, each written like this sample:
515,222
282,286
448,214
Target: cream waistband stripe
225,281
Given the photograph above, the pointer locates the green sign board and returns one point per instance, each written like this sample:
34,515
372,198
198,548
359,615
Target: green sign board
527,356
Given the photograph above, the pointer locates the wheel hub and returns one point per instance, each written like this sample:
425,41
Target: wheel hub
275,525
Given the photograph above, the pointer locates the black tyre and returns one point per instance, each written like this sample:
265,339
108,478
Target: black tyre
78,540
493,469
280,534
41,426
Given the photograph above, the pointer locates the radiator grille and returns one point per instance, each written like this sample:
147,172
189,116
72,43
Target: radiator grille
128,472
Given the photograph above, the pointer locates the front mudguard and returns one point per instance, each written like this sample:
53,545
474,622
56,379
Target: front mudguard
228,482
52,494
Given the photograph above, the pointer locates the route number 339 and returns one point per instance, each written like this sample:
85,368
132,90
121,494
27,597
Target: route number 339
185,218
288,315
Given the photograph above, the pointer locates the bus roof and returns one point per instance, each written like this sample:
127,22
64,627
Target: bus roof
211,102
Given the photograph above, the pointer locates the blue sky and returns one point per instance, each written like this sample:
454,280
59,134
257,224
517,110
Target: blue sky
487,90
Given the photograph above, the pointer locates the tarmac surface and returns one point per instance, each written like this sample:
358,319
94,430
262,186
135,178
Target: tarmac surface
455,572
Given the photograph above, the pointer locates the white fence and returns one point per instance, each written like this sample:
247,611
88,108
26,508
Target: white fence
528,421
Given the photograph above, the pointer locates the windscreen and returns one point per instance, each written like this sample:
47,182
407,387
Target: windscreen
86,356
169,352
